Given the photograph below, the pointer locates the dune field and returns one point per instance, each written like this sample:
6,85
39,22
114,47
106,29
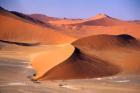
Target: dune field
63,55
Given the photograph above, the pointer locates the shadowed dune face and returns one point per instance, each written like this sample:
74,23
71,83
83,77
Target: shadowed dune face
125,37
19,43
31,20
49,59
120,50
43,18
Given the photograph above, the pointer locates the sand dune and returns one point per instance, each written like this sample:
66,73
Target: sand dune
80,66
27,18
55,20
94,56
99,24
102,20
15,29
84,31
47,60
23,17
120,50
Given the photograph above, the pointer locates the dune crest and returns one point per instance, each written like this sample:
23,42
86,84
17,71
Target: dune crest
99,16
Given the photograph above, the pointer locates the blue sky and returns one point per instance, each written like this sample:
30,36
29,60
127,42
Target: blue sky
123,9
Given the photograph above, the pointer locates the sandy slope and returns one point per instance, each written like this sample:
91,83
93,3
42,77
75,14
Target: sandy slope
15,29
84,31
120,50
46,60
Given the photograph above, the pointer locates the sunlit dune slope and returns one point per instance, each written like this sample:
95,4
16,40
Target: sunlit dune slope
86,30
49,59
15,29
65,22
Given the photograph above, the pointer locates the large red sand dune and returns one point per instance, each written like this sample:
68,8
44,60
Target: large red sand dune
94,56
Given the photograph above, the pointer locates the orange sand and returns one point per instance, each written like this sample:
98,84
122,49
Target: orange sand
14,28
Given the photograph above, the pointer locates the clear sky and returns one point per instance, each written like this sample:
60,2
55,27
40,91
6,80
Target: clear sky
123,9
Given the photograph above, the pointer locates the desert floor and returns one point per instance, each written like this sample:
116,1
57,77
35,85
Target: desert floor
15,76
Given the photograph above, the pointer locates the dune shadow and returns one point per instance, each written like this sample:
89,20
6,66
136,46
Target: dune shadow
19,43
